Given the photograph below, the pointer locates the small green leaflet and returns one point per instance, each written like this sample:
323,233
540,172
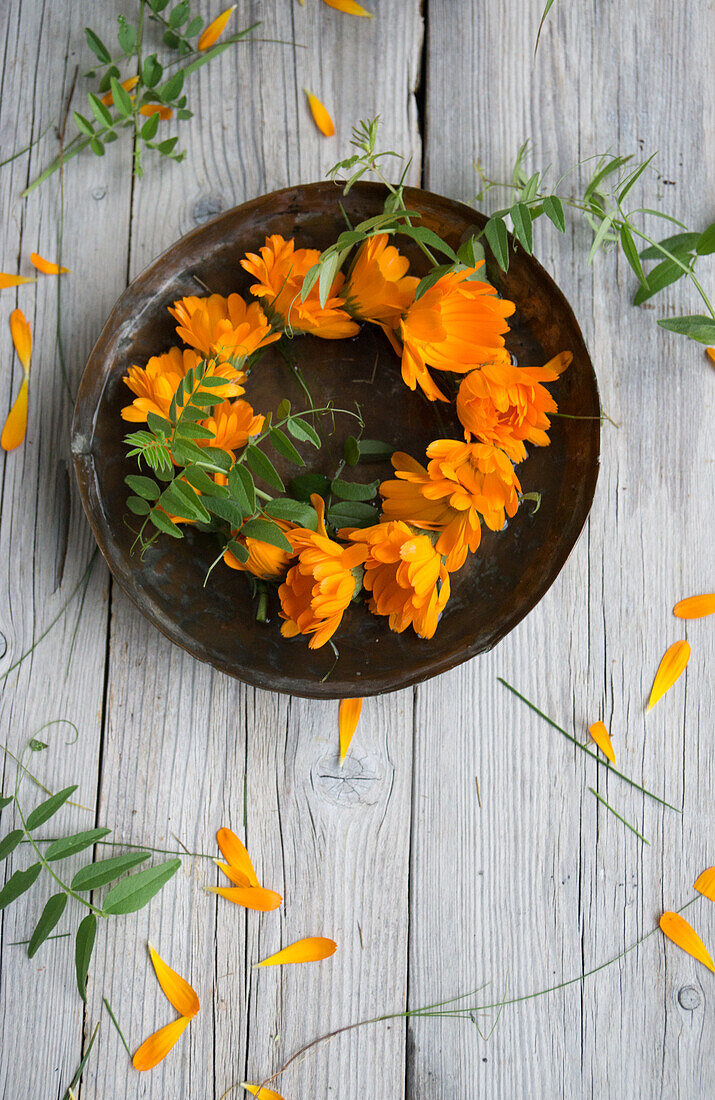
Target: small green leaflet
521,220
135,892
350,490
242,489
121,98
677,244
706,241
104,871
143,486
303,486
498,240
351,451
304,432
10,842
71,845
18,883
49,918
295,511
228,510
352,514
697,327
283,445
263,467
554,210
50,806
83,948
164,524
265,531
97,46
239,551
660,276
374,450
5,802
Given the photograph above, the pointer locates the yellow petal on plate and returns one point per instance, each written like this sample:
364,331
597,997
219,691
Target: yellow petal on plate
320,115
158,1045
312,949
349,7
14,280
261,1091
695,607
705,883
677,929
16,424
214,30
600,735
234,852
348,718
21,337
670,668
46,267
250,897
177,989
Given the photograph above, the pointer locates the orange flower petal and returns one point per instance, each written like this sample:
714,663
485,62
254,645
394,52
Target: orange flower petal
16,424
671,666
600,735
21,337
261,1091
250,897
236,877
236,855
320,115
348,718
677,929
158,1045
215,29
308,950
14,280
177,989
711,353
695,607
46,266
156,109
705,883
349,7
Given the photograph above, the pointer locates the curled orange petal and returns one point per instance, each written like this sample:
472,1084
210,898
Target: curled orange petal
215,29
320,115
705,883
348,718
250,897
235,854
21,337
308,950
46,266
177,989
349,7
677,929
600,735
16,424
156,109
670,668
695,607
158,1045
261,1091
14,280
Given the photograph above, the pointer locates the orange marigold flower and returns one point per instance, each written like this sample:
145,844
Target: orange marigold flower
378,287
507,405
405,575
456,325
233,423
279,269
321,584
462,482
227,328
157,382
264,560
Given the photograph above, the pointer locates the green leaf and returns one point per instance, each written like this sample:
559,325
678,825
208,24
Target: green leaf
283,445
428,238
201,481
697,327
158,424
121,98
633,179
660,276
171,40
83,948
374,450
100,112
706,241
150,127
10,842
49,918
554,210
36,745
182,500
135,892
97,147
239,551
173,86
352,514
351,490
265,531
602,233
309,280
433,277
194,27
104,871
304,485
83,124
206,400
242,489
6,801
630,251
48,808
328,271
151,71
295,511
126,36
602,173
498,240
179,15
164,524
283,409
138,506
228,510
263,467
165,147
194,431
158,5
18,883
303,431
218,457
97,46
677,244
521,220
143,486
351,451
70,845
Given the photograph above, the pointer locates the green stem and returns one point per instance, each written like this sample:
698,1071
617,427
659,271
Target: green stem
27,148
616,814
137,847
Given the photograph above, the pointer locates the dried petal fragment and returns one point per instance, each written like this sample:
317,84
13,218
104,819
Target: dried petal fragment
21,337
158,1045
705,883
320,115
16,424
671,666
695,607
349,7
311,949
348,718
261,1091
600,735
177,989
215,29
14,280
677,929
46,266
234,851
250,897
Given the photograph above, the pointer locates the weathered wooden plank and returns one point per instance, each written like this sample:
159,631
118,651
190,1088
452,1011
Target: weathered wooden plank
539,884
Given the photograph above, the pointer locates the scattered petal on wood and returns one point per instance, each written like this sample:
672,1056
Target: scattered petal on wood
677,929
348,718
600,735
695,607
158,1045
320,115
235,876
214,30
261,1091
711,354
16,424
250,897
312,949
235,854
349,7
21,337
46,266
177,989
670,668
705,883
14,280
156,109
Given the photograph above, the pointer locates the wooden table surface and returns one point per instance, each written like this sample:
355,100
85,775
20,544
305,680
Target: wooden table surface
428,892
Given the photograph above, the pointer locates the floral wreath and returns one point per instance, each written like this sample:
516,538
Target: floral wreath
205,445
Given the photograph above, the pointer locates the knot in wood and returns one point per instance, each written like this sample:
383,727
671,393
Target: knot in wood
206,207
689,998
358,782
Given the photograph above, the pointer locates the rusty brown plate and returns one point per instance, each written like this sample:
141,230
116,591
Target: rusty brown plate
216,622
